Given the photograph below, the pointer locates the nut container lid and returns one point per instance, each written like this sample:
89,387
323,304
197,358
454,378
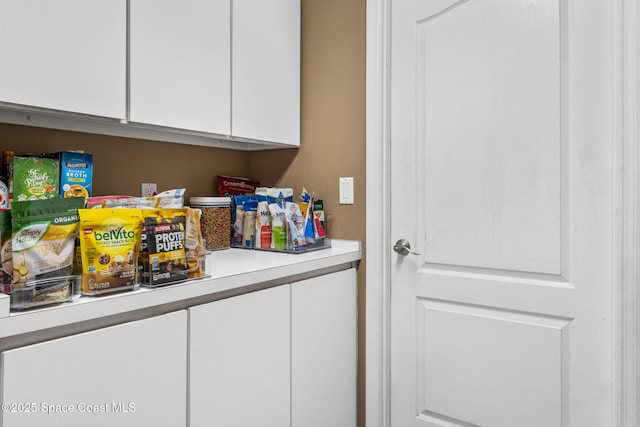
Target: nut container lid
210,201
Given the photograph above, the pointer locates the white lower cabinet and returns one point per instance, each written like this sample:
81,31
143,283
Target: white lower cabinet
324,351
277,357
132,374
284,356
239,361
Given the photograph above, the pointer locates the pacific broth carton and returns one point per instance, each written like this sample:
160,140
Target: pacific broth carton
76,174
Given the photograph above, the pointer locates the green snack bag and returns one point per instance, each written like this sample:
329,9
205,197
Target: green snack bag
278,227
35,178
279,236
44,236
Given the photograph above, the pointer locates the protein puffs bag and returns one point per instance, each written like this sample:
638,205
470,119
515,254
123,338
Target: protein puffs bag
167,256
110,241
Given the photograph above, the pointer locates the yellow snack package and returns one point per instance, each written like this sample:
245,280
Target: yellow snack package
194,243
110,241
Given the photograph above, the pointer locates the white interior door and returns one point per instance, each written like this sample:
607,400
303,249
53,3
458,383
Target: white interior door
502,166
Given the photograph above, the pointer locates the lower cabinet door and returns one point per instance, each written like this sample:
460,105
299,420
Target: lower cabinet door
324,351
239,361
132,374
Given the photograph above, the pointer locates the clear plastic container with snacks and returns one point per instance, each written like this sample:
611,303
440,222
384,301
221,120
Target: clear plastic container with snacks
215,221
292,227
41,292
291,246
192,267
117,279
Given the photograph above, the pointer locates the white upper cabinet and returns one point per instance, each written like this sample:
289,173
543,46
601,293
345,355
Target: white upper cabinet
205,72
180,64
65,55
266,70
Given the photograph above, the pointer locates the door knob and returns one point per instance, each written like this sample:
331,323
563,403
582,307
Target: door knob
403,247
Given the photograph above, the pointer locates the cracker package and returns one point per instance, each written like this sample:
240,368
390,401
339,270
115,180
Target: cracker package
165,230
164,200
110,241
232,185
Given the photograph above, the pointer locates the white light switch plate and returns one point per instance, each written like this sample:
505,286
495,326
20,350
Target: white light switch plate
346,191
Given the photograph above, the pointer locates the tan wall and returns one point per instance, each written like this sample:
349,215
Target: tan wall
333,139
333,129
121,164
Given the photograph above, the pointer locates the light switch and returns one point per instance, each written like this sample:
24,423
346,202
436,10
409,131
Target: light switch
346,191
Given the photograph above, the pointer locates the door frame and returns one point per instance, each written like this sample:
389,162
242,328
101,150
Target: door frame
626,210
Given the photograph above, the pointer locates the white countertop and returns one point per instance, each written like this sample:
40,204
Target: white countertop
230,269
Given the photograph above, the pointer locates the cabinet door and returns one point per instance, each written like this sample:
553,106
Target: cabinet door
180,64
324,351
65,55
266,70
128,375
239,361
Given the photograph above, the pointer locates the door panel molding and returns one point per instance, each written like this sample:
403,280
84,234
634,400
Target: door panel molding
627,215
485,98
523,277
527,353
